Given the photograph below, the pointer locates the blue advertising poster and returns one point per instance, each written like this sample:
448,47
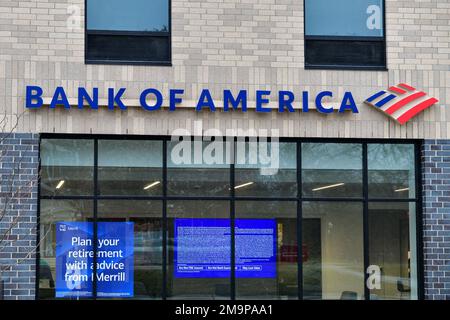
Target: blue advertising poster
202,248
75,256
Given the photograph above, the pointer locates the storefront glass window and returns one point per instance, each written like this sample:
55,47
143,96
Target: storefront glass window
67,167
332,170
333,258
266,169
198,250
391,171
163,222
143,270
393,252
196,168
55,217
266,250
130,167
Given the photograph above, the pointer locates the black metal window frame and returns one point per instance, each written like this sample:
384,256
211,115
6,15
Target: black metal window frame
346,39
232,199
167,34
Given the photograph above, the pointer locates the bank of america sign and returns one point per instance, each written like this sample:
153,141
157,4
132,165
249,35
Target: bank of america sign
401,102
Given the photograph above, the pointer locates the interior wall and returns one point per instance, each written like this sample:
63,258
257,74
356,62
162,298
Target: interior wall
342,253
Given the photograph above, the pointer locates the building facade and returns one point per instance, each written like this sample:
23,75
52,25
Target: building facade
359,206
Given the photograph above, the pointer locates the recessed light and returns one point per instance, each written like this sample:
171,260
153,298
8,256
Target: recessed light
151,185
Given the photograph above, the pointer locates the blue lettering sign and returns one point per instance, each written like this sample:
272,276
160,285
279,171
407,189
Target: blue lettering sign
59,98
260,100
241,99
285,99
34,99
174,100
115,99
84,95
319,105
158,96
348,103
205,100
34,93
305,103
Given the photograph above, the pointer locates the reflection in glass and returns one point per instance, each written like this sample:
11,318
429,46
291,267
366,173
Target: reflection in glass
147,219
366,18
266,169
391,170
333,259
130,167
196,168
67,167
282,284
201,229
392,248
131,15
51,212
331,170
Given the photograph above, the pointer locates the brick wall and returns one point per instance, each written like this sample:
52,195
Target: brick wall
436,218
19,154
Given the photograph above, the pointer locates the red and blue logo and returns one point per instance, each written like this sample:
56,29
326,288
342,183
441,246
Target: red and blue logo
401,102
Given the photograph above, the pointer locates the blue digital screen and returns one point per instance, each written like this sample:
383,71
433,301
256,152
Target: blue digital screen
203,248
75,257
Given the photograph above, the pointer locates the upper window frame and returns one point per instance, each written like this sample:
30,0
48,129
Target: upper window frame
167,34
381,39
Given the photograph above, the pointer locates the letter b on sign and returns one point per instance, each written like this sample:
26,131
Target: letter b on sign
34,97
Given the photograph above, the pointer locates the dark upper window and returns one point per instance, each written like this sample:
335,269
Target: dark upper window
132,31
345,34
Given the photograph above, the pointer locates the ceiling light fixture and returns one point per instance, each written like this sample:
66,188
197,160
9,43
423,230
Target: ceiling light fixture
151,185
329,187
243,185
60,184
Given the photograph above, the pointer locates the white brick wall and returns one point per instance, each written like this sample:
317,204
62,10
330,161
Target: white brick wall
224,44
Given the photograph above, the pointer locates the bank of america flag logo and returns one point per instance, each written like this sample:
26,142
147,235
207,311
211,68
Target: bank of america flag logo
401,102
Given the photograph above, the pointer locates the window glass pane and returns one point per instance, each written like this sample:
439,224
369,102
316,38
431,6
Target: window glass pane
138,223
266,169
131,15
52,270
391,170
333,259
198,250
111,47
266,250
331,170
344,18
351,53
130,167
67,167
393,252
196,168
